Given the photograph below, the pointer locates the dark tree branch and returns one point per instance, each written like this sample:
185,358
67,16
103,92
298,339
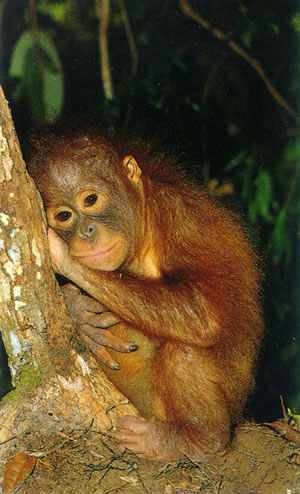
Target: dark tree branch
188,11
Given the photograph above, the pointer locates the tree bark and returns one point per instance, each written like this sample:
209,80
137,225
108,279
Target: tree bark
58,383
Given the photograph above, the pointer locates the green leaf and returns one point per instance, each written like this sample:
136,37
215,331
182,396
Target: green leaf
292,151
32,86
18,58
235,161
295,21
289,352
264,195
246,37
56,10
275,28
196,107
252,212
280,237
37,65
53,79
247,179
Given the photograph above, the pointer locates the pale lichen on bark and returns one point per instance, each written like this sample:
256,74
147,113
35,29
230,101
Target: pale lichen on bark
11,301
5,171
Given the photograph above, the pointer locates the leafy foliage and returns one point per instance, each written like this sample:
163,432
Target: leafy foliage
36,65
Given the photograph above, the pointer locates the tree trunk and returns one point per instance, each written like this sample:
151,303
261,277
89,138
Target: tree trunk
58,383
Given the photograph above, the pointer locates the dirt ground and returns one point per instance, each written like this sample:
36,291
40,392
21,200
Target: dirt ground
86,462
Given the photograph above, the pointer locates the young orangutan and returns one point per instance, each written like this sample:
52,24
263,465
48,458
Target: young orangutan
174,287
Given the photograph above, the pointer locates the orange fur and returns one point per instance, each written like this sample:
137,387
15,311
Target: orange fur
188,292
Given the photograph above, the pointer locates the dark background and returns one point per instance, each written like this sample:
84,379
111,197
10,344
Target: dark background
190,93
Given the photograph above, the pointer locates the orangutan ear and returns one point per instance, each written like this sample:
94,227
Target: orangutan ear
132,168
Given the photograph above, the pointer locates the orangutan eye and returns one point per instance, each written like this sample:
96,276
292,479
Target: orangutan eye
90,200
63,216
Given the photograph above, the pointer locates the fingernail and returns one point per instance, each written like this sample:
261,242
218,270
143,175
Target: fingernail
133,348
116,367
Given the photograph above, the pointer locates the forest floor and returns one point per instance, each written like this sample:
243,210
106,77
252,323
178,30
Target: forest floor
87,462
